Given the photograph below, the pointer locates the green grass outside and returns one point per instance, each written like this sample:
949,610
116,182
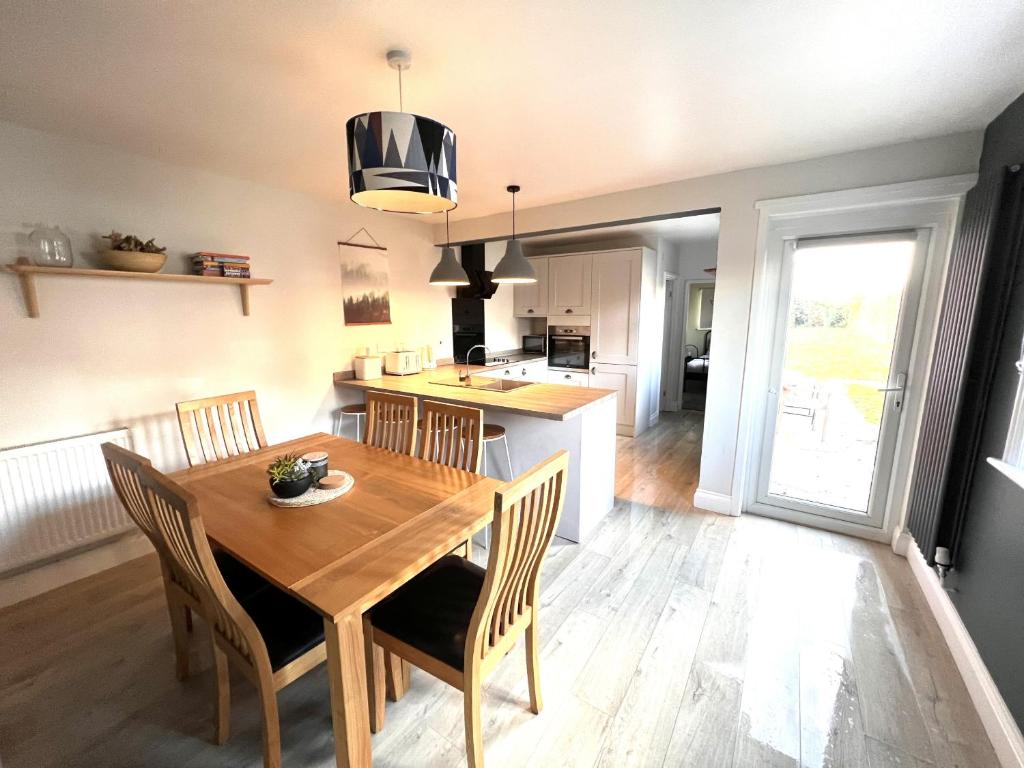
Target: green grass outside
824,353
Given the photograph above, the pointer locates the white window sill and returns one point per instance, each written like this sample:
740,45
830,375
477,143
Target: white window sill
1015,474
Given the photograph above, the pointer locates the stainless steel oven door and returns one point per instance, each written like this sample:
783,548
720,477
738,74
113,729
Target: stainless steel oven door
569,352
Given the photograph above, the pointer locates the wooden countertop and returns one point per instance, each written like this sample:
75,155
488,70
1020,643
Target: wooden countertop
545,401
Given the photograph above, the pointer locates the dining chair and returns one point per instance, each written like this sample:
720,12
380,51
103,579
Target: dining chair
457,620
452,435
125,469
271,637
391,422
214,428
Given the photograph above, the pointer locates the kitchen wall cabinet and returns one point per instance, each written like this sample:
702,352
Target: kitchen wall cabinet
622,379
615,306
569,281
531,299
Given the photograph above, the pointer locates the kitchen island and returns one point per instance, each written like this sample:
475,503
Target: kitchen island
539,419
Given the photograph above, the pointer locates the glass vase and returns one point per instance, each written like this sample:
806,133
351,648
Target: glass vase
50,247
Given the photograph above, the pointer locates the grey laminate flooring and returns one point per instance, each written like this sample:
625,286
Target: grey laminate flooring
674,638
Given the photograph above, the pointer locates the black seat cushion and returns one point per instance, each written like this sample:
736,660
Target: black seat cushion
289,627
242,580
432,612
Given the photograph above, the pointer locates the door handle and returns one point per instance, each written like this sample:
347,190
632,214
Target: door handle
594,370
898,388
568,311
594,354
529,311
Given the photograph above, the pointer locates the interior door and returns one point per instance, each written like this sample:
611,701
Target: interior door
615,306
841,350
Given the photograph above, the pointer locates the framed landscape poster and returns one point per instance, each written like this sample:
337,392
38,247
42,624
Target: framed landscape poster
364,285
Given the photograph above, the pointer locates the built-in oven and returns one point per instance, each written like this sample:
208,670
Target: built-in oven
569,347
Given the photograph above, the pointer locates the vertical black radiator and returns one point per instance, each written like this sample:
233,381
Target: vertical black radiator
949,364
1001,274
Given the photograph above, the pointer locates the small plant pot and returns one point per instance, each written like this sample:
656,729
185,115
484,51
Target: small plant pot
289,489
132,261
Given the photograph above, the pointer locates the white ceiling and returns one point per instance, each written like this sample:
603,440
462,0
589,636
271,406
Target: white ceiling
569,99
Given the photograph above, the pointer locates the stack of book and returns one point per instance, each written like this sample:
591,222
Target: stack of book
220,264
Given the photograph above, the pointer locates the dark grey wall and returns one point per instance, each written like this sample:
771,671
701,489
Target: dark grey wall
990,569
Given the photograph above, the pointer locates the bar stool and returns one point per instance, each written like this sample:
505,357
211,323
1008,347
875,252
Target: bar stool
492,433
359,411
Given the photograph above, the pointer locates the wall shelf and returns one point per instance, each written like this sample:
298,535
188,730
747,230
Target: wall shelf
28,272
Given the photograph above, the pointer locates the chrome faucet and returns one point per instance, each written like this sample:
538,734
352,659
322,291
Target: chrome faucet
466,378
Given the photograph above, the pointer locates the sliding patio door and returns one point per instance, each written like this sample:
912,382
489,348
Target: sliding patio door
840,354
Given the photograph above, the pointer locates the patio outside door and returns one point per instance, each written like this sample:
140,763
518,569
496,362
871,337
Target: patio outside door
840,354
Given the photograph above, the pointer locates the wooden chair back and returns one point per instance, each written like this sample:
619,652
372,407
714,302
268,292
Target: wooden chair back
453,435
214,428
526,513
125,470
391,422
176,513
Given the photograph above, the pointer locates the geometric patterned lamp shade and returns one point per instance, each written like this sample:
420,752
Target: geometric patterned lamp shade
401,162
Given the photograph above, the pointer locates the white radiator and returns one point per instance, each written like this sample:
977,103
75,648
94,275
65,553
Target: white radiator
56,497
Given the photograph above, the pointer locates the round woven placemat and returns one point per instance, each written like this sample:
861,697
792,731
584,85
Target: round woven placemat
315,495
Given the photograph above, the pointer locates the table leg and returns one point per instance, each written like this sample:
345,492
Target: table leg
346,668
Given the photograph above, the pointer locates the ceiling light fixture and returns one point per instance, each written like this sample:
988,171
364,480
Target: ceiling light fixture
513,267
448,270
401,162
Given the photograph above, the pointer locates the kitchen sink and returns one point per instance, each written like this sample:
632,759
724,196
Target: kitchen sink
488,385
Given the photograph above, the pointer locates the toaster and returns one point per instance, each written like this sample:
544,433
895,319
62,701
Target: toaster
402,363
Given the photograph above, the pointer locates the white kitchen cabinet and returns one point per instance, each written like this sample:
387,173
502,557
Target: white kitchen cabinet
530,370
569,284
568,378
622,379
615,306
531,299
536,370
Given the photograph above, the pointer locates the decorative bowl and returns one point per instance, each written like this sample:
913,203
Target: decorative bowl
132,261
289,489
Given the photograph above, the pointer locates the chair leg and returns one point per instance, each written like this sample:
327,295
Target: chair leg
474,736
374,677
222,711
179,634
508,456
398,676
533,667
271,728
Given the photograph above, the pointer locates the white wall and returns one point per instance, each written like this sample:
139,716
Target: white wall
502,331
107,353
736,194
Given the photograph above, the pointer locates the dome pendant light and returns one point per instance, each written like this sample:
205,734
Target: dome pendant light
513,267
448,270
401,162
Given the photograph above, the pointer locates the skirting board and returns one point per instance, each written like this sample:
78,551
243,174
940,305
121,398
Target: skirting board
26,584
999,724
713,502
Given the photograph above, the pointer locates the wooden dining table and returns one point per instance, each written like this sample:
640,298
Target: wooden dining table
344,556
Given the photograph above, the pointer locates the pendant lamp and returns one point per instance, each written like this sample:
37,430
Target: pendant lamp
513,267
401,162
448,270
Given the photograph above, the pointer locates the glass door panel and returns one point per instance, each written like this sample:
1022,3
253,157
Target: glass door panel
841,348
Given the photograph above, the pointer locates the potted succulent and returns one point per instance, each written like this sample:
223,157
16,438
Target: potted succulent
128,253
290,476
